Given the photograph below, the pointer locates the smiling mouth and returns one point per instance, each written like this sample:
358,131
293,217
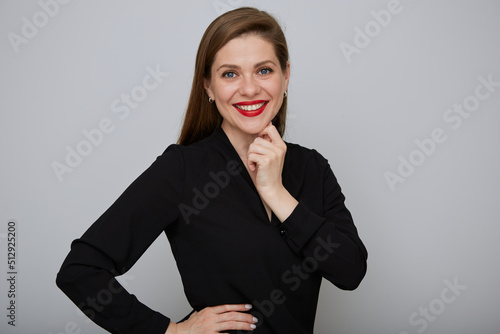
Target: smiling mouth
251,108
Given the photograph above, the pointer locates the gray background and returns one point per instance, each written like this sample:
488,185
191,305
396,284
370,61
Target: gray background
361,112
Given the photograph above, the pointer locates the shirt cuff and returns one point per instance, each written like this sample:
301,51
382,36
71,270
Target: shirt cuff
158,323
300,226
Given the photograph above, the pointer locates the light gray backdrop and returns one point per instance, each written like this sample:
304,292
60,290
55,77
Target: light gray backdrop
402,97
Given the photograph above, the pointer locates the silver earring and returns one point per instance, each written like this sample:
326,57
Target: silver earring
286,93
210,100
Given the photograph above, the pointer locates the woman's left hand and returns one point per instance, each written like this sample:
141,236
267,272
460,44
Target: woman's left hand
266,156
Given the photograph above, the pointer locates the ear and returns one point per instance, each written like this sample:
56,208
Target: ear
208,88
286,74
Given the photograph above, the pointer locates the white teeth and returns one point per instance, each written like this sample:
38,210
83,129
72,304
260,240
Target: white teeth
251,107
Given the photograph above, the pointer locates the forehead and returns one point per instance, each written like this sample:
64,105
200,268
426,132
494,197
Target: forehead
245,50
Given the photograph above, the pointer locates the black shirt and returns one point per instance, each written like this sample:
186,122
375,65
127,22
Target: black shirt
226,248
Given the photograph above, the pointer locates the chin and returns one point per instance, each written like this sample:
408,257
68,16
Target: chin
254,127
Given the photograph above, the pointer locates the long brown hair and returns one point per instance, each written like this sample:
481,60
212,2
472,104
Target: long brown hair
202,117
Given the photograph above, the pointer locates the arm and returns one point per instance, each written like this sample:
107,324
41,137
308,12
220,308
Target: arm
115,242
331,239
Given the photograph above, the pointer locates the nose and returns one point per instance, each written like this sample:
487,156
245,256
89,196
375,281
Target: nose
249,86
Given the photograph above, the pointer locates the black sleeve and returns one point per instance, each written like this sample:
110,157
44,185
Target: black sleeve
331,238
116,241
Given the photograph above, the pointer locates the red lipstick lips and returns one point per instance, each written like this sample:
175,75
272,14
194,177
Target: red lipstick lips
250,113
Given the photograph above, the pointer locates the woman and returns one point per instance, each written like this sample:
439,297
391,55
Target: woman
254,223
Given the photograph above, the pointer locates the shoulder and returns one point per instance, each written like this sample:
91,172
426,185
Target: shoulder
296,152
305,165
178,151
198,158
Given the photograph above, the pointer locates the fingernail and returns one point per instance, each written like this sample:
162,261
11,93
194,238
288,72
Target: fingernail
255,319
253,326
248,306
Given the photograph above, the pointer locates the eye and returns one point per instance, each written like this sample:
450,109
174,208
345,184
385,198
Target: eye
229,75
265,71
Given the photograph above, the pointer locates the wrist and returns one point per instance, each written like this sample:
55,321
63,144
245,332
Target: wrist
281,202
269,193
172,328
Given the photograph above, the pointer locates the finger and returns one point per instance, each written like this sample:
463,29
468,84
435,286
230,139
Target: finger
234,325
252,165
230,307
264,134
231,317
263,141
268,150
237,316
273,138
258,160
277,145
271,132
258,154
262,147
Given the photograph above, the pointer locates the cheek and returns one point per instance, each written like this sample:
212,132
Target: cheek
225,92
276,87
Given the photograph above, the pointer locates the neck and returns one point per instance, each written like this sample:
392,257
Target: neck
240,141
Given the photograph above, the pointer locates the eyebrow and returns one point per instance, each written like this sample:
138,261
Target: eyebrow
236,67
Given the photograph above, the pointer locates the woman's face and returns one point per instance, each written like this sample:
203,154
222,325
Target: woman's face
247,84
